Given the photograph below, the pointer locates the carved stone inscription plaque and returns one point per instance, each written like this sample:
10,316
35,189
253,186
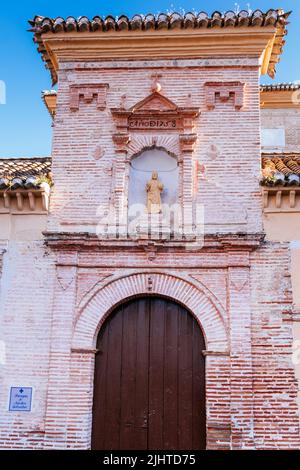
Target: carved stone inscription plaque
153,123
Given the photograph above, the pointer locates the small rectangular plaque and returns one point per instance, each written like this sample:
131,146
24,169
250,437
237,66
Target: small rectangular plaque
153,123
20,398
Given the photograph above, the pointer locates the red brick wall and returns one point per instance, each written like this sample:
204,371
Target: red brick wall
228,188
51,314
274,383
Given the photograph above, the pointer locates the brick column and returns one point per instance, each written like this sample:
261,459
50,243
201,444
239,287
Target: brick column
120,204
187,143
60,353
81,398
242,420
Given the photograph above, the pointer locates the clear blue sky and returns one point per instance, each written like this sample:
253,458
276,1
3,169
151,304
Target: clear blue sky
25,126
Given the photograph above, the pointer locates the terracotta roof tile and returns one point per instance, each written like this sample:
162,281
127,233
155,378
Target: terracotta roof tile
42,24
24,172
277,18
280,86
281,169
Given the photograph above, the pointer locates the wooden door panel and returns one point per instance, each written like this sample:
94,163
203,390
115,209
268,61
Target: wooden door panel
199,416
156,375
171,377
142,375
185,382
149,388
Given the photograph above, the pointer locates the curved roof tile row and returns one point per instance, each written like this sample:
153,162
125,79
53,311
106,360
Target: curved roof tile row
162,20
16,173
277,18
281,170
280,86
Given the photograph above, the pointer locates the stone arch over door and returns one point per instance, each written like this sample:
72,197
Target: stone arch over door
106,298
98,305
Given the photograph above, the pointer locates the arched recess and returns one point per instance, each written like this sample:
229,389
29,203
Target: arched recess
185,293
140,142
147,153
142,166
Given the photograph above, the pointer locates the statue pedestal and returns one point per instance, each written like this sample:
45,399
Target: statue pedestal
153,226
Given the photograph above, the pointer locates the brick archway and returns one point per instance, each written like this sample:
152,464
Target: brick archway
73,364
102,300
141,142
106,298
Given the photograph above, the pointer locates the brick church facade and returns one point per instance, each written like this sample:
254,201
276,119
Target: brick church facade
180,96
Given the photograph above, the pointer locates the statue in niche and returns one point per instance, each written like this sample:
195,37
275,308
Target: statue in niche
154,187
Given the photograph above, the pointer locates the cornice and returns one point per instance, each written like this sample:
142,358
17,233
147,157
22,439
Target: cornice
212,242
50,98
24,201
264,43
160,26
280,99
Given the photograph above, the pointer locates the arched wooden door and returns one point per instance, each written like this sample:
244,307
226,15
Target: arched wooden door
149,388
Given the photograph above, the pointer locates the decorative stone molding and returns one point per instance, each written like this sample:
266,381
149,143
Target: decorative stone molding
281,199
84,351
224,90
155,113
280,96
92,315
3,246
154,122
234,244
215,353
121,141
140,142
88,92
187,142
34,201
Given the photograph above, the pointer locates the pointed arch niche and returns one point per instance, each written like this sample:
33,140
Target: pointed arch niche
154,134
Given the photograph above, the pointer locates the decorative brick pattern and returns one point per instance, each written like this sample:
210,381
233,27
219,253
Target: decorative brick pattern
224,91
88,92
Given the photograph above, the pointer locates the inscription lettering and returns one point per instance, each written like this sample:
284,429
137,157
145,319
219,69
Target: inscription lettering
152,123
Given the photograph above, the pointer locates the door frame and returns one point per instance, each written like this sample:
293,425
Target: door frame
75,367
162,297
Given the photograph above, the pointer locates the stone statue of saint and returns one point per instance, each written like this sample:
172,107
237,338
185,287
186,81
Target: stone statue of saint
154,187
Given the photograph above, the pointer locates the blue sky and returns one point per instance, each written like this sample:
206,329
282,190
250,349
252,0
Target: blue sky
25,126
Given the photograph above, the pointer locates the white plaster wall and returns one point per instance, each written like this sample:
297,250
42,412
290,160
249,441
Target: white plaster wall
26,294
286,119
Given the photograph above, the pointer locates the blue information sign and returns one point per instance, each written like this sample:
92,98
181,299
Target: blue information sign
20,398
